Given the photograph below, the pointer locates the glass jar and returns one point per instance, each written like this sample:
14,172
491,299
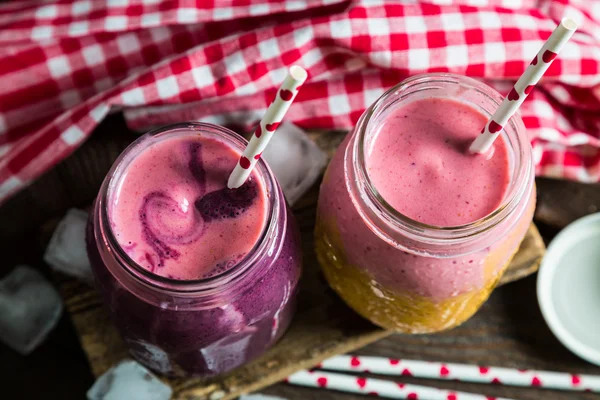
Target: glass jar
198,327
397,272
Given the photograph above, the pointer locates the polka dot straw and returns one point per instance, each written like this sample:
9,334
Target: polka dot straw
267,126
464,373
538,66
379,387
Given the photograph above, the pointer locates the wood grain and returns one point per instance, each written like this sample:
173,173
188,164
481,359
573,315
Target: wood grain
323,325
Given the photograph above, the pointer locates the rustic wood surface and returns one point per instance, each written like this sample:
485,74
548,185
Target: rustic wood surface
322,327
507,331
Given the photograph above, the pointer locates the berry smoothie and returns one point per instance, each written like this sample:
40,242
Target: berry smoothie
422,230
173,215
198,278
420,165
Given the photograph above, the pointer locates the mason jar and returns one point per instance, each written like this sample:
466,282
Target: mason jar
207,326
395,271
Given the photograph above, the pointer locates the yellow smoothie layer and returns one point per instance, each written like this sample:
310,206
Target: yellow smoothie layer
408,312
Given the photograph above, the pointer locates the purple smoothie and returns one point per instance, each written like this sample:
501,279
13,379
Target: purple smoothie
192,297
173,215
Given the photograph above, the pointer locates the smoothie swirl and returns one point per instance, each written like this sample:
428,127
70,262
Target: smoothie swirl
170,215
233,256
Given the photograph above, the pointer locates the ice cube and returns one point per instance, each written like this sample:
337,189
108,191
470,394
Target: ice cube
129,380
29,308
258,396
295,160
66,251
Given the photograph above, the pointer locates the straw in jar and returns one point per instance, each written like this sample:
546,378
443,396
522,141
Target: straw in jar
267,126
538,66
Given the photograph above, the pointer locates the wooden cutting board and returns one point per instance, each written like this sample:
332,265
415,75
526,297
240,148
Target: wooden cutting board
322,327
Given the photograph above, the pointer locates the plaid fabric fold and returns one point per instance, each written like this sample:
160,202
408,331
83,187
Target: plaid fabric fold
64,65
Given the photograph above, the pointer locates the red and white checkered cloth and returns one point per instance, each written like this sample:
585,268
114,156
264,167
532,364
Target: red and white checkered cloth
64,65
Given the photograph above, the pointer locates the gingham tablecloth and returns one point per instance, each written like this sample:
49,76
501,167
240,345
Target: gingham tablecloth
64,65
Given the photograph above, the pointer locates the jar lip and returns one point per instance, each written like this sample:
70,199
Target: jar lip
204,284
518,181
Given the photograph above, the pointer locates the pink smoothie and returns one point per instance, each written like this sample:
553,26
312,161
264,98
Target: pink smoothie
420,165
173,214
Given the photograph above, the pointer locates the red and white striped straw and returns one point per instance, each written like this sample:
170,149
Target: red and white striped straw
379,387
267,126
464,373
538,66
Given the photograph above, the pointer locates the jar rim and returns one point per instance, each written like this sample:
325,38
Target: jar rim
212,283
517,142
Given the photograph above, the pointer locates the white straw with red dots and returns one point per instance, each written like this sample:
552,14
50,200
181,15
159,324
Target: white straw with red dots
538,66
263,133
379,387
464,373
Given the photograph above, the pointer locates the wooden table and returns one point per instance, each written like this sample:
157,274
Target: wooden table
508,330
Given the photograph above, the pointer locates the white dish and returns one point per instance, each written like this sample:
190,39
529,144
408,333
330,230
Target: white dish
568,287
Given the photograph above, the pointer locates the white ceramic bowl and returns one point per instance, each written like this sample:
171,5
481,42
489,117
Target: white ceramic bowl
568,287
